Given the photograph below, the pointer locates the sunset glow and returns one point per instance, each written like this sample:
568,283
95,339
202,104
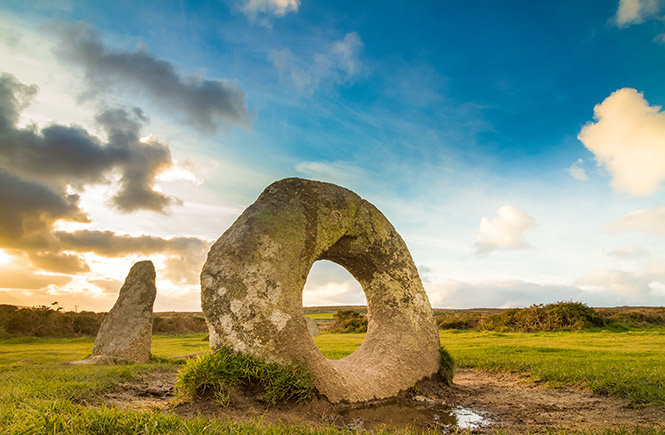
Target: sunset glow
519,148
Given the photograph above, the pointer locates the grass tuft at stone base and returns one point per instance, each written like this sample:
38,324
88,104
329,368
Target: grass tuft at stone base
447,367
224,371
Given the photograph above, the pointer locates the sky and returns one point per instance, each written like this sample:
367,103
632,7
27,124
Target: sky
518,147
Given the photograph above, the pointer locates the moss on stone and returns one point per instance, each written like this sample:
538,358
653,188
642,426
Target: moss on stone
447,367
263,261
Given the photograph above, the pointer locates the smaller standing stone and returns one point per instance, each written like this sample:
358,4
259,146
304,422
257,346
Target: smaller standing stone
126,331
312,327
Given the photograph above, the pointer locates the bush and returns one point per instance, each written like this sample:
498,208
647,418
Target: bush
458,320
220,373
45,321
637,318
562,316
179,323
349,321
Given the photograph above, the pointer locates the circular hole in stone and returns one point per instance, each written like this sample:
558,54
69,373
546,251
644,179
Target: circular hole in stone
331,288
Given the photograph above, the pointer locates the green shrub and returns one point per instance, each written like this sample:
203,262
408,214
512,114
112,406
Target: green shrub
53,321
562,316
637,318
446,367
44,321
222,372
458,320
178,323
349,321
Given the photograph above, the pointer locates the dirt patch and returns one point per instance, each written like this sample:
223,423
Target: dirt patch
511,403
153,390
495,400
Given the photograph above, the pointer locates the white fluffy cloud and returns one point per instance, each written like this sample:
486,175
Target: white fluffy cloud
506,231
636,11
330,284
577,171
338,64
640,286
346,53
648,220
515,293
276,7
628,138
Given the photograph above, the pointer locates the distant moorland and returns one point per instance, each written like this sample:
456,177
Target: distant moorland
54,322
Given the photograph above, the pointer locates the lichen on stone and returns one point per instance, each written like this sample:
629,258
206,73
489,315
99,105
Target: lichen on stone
253,279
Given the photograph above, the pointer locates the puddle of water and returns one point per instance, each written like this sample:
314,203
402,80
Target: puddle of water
419,418
468,419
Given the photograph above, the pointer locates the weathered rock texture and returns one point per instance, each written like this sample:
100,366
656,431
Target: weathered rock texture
126,331
253,279
312,327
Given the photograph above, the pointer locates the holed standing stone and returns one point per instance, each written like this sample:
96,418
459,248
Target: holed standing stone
126,331
253,279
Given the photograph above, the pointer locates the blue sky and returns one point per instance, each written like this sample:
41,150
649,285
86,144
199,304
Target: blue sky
518,147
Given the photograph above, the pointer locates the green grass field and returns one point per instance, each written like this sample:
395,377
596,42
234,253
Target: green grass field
43,350
629,364
321,316
40,395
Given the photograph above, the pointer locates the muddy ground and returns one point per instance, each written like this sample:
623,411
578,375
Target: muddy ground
488,400
513,403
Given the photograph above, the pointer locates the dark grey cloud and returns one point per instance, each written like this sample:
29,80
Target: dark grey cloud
55,155
59,262
185,255
39,169
14,97
29,211
110,244
140,162
205,103
67,155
